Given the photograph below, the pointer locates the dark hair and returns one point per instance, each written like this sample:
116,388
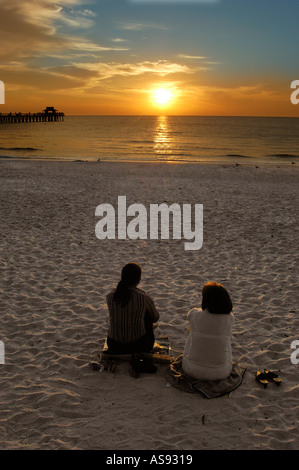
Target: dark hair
215,298
130,276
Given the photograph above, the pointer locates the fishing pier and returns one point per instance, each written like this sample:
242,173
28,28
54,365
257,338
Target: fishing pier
49,114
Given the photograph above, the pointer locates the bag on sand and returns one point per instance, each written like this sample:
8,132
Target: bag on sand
142,364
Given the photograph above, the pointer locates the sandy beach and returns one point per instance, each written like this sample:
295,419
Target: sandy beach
55,275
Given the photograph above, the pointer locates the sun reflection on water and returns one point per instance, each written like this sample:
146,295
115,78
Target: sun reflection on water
163,142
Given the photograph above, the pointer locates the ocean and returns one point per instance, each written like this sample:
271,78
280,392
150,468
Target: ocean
267,140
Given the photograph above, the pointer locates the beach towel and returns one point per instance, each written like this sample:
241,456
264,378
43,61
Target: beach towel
210,388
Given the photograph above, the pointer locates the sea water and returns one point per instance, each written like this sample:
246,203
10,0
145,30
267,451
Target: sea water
267,140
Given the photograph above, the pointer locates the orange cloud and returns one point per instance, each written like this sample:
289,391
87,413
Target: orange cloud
29,28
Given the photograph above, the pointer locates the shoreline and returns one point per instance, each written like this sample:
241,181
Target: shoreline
255,163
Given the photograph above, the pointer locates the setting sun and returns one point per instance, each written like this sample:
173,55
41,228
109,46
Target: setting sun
162,96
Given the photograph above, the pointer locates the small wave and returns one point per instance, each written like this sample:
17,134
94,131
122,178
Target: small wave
21,149
237,155
284,155
14,157
181,154
208,148
141,142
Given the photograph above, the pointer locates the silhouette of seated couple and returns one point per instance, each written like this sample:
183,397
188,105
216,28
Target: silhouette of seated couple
132,314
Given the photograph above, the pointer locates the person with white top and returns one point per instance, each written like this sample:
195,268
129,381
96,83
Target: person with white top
208,352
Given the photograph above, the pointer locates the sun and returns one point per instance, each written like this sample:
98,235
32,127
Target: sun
162,96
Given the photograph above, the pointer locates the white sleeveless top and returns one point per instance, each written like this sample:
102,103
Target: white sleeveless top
208,353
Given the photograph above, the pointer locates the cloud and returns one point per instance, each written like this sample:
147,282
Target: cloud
140,26
119,40
86,12
160,68
88,77
195,57
238,93
206,65
31,28
46,13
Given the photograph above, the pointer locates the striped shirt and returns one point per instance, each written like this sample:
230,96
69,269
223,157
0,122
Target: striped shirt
127,322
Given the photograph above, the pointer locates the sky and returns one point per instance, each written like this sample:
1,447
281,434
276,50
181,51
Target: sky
131,57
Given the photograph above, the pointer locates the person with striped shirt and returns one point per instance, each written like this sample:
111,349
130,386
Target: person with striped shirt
132,314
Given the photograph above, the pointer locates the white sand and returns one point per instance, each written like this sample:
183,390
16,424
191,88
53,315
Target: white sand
55,274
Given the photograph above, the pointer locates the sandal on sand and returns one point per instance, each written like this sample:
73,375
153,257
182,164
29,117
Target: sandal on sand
261,378
272,376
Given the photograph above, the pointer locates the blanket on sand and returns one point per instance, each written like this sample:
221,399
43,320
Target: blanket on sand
209,389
